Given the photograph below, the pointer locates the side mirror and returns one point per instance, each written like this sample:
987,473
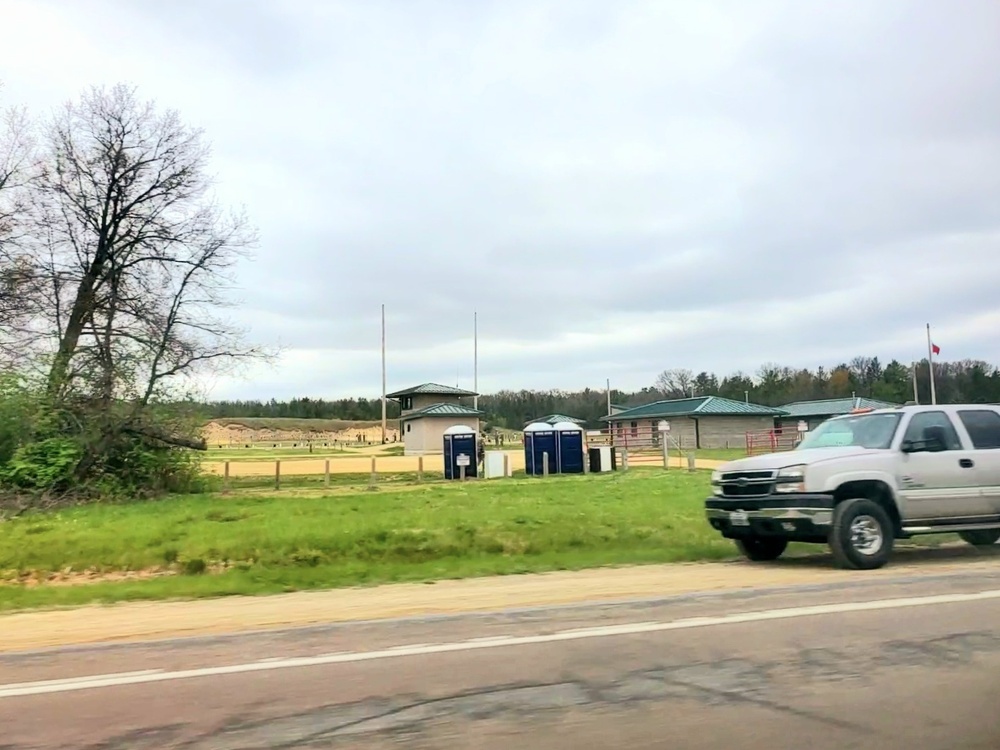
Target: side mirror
908,446
934,444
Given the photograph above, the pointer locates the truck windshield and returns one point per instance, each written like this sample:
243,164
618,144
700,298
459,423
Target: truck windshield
862,430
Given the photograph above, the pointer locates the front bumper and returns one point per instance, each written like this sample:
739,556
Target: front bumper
805,517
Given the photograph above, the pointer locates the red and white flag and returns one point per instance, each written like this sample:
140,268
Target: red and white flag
935,349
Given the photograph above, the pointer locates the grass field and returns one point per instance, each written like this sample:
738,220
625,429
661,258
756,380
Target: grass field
259,543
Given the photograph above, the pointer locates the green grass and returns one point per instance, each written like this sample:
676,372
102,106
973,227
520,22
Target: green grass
263,543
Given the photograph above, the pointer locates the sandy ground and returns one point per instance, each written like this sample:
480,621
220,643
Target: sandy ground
396,464
154,620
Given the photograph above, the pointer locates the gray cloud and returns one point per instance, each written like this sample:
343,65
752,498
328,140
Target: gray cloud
616,187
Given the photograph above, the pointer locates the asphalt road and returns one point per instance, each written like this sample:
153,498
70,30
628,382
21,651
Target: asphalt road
904,663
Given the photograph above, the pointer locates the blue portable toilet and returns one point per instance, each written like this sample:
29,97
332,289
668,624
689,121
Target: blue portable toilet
539,439
460,440
569,447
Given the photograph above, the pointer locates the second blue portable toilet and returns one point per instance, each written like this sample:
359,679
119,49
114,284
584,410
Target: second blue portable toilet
460,440
569,447
539,439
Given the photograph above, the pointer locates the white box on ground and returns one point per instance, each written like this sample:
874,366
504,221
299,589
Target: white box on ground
493,465
605,457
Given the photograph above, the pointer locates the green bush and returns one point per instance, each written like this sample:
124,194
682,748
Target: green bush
44,465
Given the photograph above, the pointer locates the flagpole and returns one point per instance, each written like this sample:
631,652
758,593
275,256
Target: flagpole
930,363
475,359
913,372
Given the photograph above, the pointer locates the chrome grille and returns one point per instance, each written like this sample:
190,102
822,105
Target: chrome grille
747,483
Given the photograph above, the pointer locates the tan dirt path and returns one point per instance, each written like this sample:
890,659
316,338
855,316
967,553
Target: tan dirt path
157,620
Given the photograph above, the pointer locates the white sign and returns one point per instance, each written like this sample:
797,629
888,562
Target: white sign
664,426
739,518
803,426
462,459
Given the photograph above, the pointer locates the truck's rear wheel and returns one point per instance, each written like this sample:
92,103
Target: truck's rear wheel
762,548
862,535
981,537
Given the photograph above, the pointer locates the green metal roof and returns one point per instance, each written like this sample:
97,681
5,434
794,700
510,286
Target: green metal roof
431,389
442,410
830,407
702,406
554,418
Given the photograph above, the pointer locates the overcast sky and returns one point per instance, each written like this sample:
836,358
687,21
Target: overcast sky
617,186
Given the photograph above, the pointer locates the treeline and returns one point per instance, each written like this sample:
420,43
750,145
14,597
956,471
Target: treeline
772,385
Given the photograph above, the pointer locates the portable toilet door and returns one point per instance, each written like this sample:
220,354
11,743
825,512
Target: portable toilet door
539,439
459,442
569,447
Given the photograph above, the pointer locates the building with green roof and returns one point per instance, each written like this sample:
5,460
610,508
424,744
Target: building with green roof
555,419
699,422
427,410
817,411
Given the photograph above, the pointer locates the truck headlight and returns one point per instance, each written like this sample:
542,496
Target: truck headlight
717,483
791,479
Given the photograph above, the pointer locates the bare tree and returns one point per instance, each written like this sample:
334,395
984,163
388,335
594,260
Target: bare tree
18,292
675,383
137,261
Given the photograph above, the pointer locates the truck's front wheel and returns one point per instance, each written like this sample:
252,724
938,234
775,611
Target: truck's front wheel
861,536
762,549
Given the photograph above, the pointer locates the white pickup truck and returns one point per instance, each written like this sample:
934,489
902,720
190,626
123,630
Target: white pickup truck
860,481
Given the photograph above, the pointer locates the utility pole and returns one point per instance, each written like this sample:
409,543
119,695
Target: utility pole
383,376
475,359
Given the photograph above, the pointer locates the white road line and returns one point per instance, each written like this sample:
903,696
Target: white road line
138,678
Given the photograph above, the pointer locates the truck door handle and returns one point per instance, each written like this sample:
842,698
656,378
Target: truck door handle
965,463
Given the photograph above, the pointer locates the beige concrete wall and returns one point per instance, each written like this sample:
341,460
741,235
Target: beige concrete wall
792,424
712,432
723,432
426,435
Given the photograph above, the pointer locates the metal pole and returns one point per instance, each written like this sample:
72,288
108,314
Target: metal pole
609,398
916,394
475,359
383,376
930,363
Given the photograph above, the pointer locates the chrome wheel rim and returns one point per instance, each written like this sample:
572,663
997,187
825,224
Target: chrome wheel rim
866,535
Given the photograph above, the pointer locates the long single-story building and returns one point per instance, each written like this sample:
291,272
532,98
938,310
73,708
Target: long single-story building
701,422
427,410
815,412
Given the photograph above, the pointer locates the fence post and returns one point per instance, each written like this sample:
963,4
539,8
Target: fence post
666,453
691,462
374,478
545,463
225,481
506,464
326,473
277,474
625,459
420,468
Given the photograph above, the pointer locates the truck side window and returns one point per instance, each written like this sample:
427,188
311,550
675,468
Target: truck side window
983,426
922,420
